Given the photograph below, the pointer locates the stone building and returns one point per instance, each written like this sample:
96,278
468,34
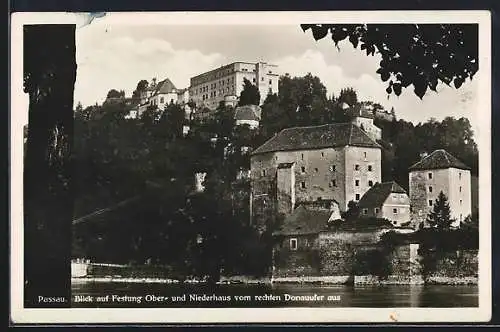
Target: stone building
248,115
386,200
363,118
436,172
337,162
210,88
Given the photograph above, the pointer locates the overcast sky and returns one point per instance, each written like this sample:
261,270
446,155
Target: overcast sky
117,56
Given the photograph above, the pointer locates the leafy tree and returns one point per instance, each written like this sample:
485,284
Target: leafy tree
348,96
352,212
115,94
418,54
250,94
142,85
440,216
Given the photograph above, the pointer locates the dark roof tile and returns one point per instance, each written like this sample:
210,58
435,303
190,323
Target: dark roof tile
377,194
316,137
439,159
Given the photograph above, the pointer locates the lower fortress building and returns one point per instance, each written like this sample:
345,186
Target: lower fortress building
334,162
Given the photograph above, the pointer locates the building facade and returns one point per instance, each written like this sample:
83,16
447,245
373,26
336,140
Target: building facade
337,162
386,200
436,172
363,118
210,88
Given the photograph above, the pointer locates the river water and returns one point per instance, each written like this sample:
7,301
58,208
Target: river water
110,294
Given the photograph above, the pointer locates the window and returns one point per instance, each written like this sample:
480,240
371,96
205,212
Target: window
460,189
376,210
356,182
302,156
460,202
356,167
357,197
333,183
293,244
162,100
370,183
270,82
370,168
430,176
303,169
364,154
430,202
430,189
253,80
365,211
459,175
460,217
322,154
332,168
262,79
316,169
395,211
263,172
303,185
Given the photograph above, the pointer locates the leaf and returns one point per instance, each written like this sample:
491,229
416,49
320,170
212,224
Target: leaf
458,82
384,76
388,90
397,88
306,27
420,88
319,32
354,40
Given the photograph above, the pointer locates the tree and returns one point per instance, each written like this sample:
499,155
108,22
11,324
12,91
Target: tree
418,54
49,78
142,85
115,94
250,94
440,216
348,96
352,212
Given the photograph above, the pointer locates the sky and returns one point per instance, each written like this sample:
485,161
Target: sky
117,56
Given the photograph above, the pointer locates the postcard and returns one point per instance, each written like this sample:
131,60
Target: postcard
251,167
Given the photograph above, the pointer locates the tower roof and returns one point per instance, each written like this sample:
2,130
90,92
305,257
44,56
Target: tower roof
439,159
316,137
247,112
377,194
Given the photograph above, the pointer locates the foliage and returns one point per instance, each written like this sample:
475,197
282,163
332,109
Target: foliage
372,261
440,216
115,94
250,94
352,212
418,54
142,85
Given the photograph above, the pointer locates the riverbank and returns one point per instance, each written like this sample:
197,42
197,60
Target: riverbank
323,280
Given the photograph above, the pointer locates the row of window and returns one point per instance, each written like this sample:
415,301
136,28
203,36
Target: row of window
376,210
431,202
205,89
333,168
431,189
429,175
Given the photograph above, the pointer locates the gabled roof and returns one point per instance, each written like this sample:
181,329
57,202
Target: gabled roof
377,194
439,159
316,137
247,112
165,86
304,221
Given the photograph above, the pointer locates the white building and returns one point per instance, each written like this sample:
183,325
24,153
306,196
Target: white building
210,88
436,172
363,118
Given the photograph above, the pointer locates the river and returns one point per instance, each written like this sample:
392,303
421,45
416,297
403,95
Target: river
111,294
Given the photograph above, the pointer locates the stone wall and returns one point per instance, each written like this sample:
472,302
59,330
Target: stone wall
334,255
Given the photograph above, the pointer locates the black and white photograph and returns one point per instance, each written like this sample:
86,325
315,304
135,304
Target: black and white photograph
251,167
